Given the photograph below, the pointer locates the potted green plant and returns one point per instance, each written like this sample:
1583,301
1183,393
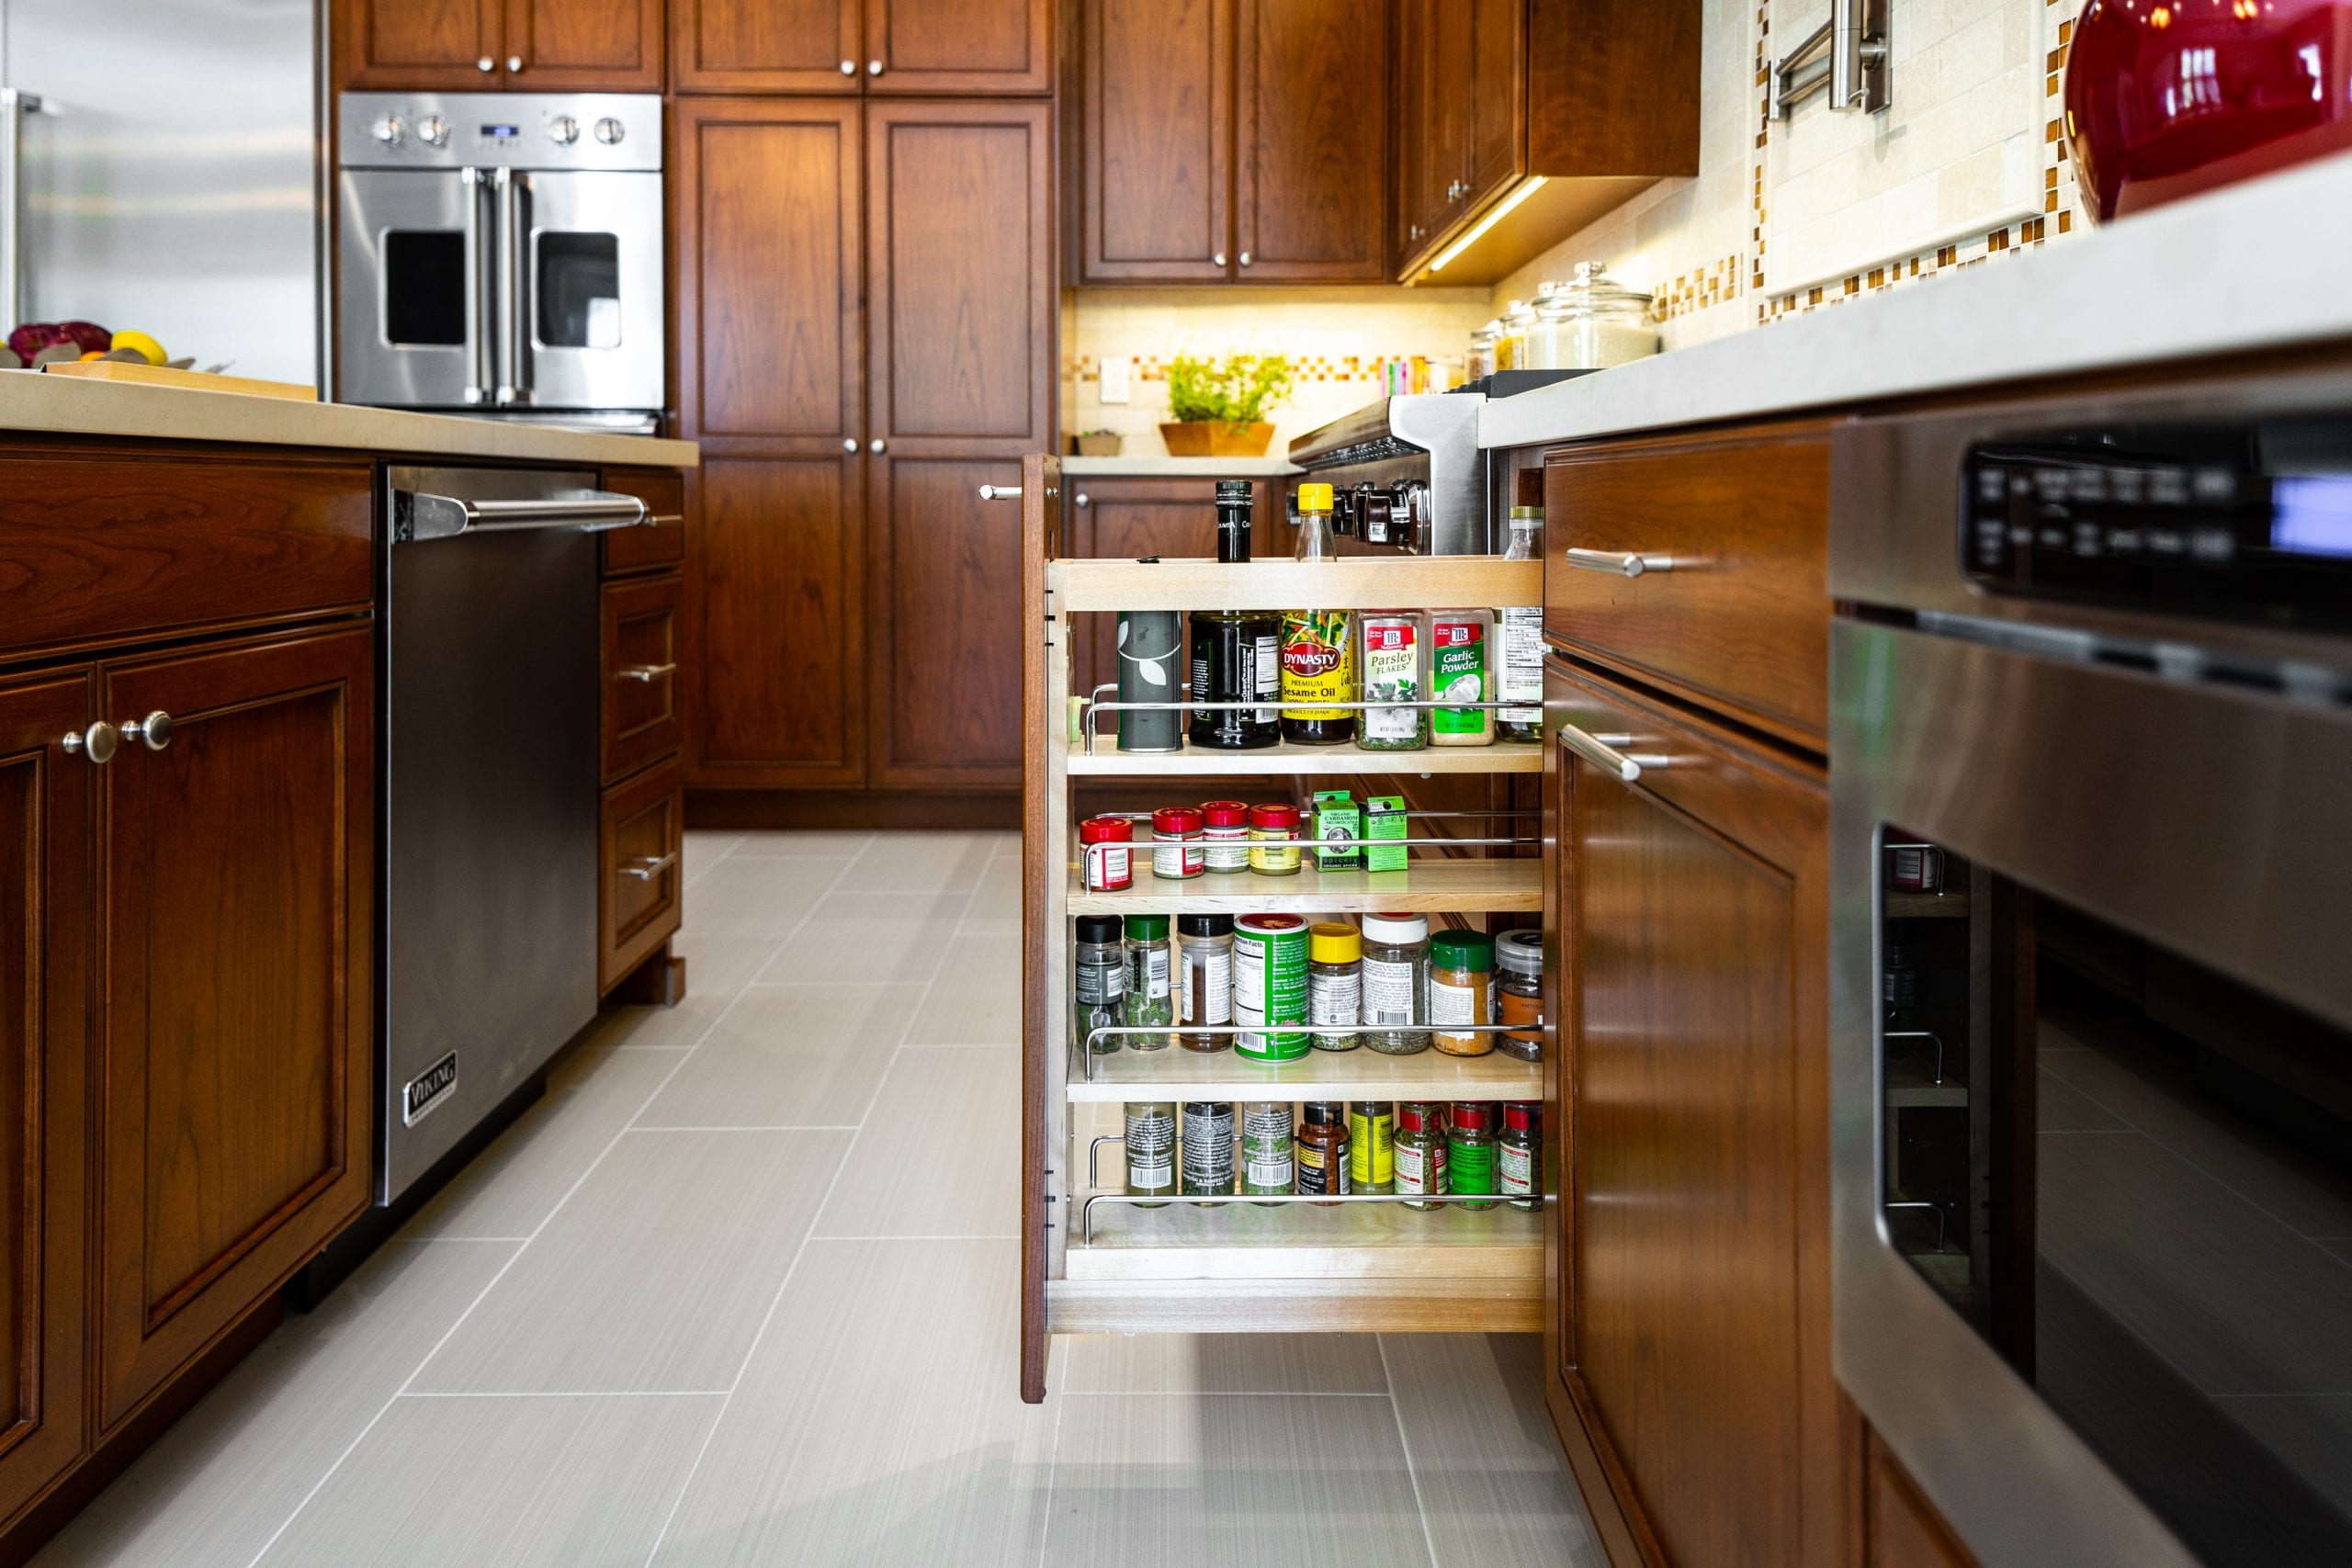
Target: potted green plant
1096,443
1220,404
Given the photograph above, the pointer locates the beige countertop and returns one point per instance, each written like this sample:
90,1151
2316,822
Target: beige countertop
1157,467
31,403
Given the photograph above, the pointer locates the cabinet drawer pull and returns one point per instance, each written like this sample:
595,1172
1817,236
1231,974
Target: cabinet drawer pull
97,742
646,870
1601,752
155,729
664,519
1619,563
648,672
1000,492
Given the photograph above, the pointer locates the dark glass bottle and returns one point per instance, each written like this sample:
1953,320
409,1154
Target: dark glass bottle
1236,654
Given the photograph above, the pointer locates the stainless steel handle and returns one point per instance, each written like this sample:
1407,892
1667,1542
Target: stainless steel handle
514,327
1084,499
14,106
1618,563
1413,232
1601,752
155,729
877,446
665,519
97,742
472,185
1218,258
1000,492
646,673
418,516
874,68
849,67
646,870
514,62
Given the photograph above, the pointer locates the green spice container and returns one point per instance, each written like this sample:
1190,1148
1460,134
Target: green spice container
1520,1155
1462,991
1390,658
1420,1153
1270,987
1470,1153
1151,960
1151,1149
1372,1145
1269,1165
1462,645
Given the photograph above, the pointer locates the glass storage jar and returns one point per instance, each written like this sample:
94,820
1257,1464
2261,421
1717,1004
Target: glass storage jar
1479,363
1519,998
1590,323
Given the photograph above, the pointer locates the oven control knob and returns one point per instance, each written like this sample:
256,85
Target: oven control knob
390,130
433,130
609,132
563,130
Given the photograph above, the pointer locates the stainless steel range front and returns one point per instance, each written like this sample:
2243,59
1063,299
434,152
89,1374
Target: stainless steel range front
502,252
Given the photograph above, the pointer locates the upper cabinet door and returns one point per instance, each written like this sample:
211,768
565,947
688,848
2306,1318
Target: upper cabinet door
960,277
427,45
768,197
765,46
958,46
1433,186
599,46
1159,133
1312,169
1498,151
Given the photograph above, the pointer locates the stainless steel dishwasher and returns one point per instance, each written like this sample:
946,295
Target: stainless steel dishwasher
489,698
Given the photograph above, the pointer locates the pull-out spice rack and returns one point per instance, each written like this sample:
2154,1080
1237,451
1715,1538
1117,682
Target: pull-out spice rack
1093,1259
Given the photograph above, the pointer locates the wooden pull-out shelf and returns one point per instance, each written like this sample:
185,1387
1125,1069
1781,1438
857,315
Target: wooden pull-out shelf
1289,759
1492,886
1362,583
1174,1073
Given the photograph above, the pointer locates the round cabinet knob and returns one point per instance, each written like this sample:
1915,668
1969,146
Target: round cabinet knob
874,68
563,130
514,62
849,67
97,742
485,64
1245,258
1216,258
849,443
155,729
390,130
610,131
1083,500
877,445
433,130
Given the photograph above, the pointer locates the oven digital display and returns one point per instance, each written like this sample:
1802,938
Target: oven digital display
501,132
2313,516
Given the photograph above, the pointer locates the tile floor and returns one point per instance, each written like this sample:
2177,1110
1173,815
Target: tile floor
741,1289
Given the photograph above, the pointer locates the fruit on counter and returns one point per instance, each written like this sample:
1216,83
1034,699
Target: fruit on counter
88,337
140,343
30,339
57,354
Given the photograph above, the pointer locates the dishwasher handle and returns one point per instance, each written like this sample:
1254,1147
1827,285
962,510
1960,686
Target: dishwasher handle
418,516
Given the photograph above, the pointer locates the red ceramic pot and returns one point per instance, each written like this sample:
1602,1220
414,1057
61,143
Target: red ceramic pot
2165,98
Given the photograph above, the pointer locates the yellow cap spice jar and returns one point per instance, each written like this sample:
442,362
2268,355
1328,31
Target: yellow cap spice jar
1335,985
1273,839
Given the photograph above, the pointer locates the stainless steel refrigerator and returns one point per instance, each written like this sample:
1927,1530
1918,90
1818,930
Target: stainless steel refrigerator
161,170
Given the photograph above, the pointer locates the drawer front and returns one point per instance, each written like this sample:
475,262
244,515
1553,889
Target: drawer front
641,640
662,543
1739,617
96,548
641,844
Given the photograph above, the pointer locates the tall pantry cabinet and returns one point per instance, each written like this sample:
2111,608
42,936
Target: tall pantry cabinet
865,337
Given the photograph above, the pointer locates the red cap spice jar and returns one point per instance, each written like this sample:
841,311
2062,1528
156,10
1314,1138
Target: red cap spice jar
1176,846
1225,836
1273,839
1519,1159
1106,869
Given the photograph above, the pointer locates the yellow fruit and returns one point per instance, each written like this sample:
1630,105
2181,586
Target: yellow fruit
142,344
94,353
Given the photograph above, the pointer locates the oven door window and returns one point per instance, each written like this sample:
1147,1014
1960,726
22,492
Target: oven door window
577,287
424,287
2133,1175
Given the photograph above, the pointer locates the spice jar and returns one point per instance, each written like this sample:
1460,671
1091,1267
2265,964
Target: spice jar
1462,991
1390,668
1479,363
1522,629
1396,982
1204,978
1269,1163
1177,849
1151,963
1335,984
1519,1155
1271,828
1225,837
1270,987
1107,869
1420,1153
1150,1143
1518,996
1099,959
1208,1149
1510,336
1372,1145
1322,1150
1470,1153
1462,670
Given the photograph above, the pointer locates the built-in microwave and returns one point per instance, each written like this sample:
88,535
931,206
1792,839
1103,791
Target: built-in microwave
2091,779
500,252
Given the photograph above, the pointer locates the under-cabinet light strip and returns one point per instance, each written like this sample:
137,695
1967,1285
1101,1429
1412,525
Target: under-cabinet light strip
1502,209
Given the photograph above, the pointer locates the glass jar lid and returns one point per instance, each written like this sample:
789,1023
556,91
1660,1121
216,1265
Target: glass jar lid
1592,289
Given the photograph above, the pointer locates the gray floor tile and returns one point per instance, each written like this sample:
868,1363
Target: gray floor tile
719,964
976,999
1224,1363
1155,1479
794,844
704,850
514,1184
939,1152
2312,1433
996,905
750,895
654,1277
563,1483
856,935
879,1421
1493,1485
2061,1108
920,862
233,1470
789,1055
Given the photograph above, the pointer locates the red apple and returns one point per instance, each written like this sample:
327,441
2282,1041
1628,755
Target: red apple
32,338
88,337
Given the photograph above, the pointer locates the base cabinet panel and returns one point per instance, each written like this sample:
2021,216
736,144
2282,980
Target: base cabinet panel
1903,1530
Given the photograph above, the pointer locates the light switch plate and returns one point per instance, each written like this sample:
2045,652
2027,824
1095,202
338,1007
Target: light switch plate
1115,380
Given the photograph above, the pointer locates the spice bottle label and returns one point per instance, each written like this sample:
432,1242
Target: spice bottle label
1392,674
1335,999
1151,1149
1102,982
1470,1168
1523,663
1420,1168
1317,661
1266,1159
1148,973
1453,1004
1458,673
1208,1148
1518,1164
1266,675
1372,1151
1388,990
1226,849
1108,866
1208,988
1323,1171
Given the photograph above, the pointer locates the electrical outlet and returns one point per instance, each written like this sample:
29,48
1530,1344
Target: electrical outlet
1115,380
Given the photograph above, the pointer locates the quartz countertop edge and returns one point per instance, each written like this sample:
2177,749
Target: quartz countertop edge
32,404
1179,467
2251,266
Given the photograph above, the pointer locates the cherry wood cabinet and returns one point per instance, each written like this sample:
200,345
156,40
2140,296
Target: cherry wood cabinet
1234,140
1436,89
1127,517
1902,1529
609,46
46,857
887,47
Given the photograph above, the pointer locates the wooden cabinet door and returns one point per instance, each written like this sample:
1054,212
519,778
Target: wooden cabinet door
1901,1528
1123,519
1498,129
47,860
232,1047
765,46
424,45
965,47
595,46
1435,90
1689,1342
1158,142
1311,169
